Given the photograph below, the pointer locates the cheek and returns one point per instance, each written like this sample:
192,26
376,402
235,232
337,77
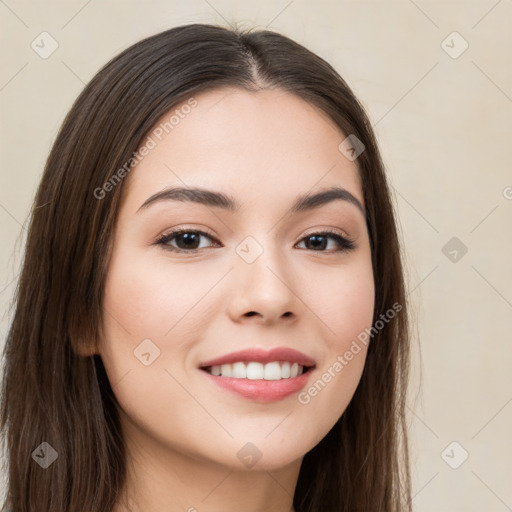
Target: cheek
356,307
155,299
152,300
149,312
343,299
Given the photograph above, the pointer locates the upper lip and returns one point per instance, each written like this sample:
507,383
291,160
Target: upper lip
262,356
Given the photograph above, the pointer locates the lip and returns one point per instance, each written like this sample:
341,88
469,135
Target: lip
262,356
263,391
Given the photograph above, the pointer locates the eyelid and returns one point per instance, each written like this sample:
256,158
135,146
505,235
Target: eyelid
186,229
205,231
335,231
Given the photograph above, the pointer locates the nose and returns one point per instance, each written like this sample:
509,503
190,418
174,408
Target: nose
264,289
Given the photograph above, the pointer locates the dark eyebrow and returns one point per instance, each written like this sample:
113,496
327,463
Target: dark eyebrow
305,202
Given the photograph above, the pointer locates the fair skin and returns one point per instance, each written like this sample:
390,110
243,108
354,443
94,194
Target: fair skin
183,432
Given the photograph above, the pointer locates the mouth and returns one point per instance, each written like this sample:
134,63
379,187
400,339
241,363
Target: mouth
260,375
254,370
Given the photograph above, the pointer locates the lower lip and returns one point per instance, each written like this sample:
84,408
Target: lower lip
262,390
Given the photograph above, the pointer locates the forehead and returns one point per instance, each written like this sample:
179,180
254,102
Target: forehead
257,146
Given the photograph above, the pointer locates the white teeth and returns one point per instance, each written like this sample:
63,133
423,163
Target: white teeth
225,370
239,371
254,371
285,370
258,371
272,371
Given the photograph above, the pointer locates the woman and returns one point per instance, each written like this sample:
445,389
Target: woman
211,312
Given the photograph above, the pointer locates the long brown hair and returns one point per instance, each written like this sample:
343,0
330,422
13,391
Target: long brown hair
53,393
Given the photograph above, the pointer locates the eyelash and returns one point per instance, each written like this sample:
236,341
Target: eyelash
347,244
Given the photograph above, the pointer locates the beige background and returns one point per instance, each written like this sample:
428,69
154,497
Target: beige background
445,132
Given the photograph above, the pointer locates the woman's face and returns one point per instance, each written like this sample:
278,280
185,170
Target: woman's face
264,276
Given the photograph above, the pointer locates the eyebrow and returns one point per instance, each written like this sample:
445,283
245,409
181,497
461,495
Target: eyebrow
304,202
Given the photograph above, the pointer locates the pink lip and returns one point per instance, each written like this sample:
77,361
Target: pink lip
262,356
262,390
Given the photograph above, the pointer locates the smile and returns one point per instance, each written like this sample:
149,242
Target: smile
274,370
260,375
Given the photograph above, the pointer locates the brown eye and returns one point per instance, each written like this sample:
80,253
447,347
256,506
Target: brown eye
185,240
319,241
189,240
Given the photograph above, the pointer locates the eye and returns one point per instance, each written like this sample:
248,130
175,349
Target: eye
189,240
319,241
186,240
